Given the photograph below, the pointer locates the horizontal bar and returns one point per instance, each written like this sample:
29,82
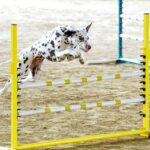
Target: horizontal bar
5,148
97,62
131,17
79,80
81,139
131,37
83,106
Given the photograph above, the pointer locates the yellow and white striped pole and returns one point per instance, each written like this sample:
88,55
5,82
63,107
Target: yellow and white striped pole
14,86
83,106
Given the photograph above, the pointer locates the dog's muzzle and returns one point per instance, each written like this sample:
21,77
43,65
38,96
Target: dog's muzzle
87,48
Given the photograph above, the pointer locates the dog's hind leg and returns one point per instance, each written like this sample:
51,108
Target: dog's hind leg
34,69
29,78
36,66
8,82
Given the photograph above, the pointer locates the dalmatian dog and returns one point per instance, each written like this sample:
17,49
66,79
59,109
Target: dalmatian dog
64,42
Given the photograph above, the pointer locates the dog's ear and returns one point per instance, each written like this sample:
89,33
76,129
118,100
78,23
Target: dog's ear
88,27
69,32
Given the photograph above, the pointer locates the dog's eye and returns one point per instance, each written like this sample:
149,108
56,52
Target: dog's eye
81,38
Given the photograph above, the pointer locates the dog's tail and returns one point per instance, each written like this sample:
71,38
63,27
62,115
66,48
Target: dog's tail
9,61
1,92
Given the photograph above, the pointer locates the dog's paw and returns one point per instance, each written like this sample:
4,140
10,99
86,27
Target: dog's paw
59,59
81,61
70,57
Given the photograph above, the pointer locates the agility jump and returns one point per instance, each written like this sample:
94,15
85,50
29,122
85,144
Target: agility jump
143,99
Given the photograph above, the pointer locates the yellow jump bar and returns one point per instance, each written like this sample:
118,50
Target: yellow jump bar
81,139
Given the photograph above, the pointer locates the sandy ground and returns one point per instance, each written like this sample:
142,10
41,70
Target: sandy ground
35,18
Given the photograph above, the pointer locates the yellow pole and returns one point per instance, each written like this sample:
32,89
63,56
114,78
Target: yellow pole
146,75
14,86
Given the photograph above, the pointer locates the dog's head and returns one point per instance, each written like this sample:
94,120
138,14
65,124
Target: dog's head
80,38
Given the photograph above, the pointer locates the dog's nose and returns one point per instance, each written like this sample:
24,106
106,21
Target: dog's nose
88,47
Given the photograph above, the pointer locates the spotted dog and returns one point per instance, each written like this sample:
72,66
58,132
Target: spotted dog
65,42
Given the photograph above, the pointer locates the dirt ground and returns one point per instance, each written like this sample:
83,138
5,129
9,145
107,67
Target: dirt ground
34,19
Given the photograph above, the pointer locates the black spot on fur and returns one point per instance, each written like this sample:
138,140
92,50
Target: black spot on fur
52,42
66,42
25,60
32,49
81,38
63,29
43,53
52,53
24,57
43,44
58,34
58,47
52,56
40,53
20,64
26,70
54,59
69,33
27,66
49,58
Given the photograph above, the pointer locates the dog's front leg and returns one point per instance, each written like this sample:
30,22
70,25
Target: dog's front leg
73,54
29,78
70,54
81,58
61,55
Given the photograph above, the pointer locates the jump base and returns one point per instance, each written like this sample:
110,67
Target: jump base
119,61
